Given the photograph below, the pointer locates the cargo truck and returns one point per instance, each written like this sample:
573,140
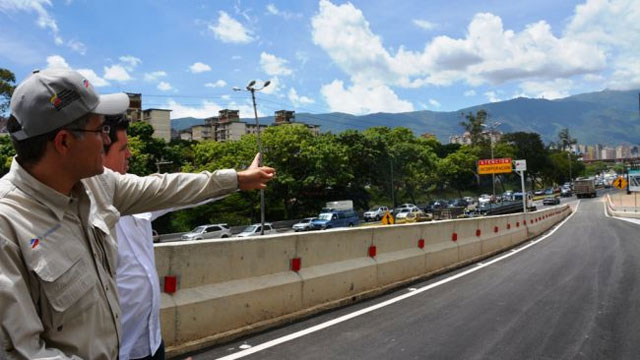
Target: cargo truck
584,188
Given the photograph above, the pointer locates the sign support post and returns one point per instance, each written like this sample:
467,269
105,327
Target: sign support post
521,167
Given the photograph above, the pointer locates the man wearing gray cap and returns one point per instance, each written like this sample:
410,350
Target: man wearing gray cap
58,207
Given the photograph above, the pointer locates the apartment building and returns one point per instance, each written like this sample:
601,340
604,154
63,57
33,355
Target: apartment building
159,119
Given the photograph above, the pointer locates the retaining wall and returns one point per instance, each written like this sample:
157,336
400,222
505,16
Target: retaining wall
229,288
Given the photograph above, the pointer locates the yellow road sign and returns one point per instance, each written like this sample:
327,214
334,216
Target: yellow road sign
387,219
494,166
620,183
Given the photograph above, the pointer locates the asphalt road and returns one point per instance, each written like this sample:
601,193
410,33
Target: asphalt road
573,295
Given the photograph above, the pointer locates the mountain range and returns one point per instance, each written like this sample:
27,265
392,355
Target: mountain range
604,117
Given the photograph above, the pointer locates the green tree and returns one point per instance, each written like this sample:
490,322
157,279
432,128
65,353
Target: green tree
529,146
7,81
565,141
474,125
6,154
458,169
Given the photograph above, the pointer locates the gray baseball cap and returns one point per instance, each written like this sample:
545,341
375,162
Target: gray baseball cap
52,98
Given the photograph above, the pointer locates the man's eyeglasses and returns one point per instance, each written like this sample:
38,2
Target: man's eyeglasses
104,129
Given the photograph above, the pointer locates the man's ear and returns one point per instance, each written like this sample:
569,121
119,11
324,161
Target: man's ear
62,141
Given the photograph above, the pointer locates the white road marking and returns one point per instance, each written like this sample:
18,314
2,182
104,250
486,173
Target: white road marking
301,333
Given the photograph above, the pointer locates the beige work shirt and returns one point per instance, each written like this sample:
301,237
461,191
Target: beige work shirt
58,256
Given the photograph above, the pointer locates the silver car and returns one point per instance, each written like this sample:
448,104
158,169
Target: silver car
212,231
303,225
254,230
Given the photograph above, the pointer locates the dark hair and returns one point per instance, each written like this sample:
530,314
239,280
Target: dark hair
117,123
29,151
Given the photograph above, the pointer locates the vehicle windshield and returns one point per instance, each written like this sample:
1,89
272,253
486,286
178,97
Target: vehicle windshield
304,221
199,229
250,229
325,216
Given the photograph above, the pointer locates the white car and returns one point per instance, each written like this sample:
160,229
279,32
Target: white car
376,213
484,199
402,213
254,230
303,225
212,231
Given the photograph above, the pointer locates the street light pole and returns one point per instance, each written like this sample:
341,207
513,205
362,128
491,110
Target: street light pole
492,129
251,88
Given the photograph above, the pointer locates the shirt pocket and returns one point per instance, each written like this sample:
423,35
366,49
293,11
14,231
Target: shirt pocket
66,287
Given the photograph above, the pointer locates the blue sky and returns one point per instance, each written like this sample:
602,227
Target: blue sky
356,57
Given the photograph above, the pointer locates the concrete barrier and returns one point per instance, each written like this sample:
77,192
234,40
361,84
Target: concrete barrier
228,288
614,211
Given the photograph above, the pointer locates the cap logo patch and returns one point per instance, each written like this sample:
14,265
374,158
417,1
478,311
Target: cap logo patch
64,98
85,82
34,243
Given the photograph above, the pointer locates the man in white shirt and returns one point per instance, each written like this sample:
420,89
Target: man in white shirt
138,285
137,280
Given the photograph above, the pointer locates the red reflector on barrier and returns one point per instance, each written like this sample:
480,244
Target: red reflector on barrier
454,237
517,223
296,264
372,251
478,232
170,284
508,226
495,229
421,243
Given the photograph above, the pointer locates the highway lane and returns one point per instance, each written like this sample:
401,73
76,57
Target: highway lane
576,294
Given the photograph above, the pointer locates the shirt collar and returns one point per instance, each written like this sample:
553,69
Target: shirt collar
57,202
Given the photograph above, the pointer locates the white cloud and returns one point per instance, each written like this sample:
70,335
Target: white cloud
550,90
273,65
44,21
58,62
154,76
236,57
199,67
488,53
359,99
93,78
274,87
116,73
77,46
470,93
130,62
424,24
298,100
229,30
434,103
492,96
164,86
217,84
207,109
273,10
593,78
613,26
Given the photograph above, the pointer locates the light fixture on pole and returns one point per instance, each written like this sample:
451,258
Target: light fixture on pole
492,131
252,89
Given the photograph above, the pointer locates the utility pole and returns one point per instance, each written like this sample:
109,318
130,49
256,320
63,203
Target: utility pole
251,88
